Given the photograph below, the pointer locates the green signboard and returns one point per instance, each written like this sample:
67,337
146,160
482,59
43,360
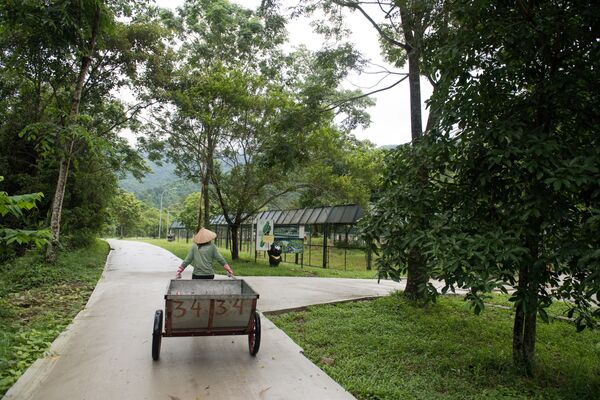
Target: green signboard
290,238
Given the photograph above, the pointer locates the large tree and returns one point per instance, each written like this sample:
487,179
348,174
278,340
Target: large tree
513,176
241,110
62,61
216,37
402,26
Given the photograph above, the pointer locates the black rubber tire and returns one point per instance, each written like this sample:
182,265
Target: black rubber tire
157,334
254,336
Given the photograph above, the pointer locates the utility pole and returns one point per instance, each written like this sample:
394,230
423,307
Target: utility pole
160,212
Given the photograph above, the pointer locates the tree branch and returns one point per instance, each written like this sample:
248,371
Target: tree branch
273,197
384,35
333,106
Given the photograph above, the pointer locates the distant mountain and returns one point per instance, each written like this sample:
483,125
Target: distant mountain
388,146
162,178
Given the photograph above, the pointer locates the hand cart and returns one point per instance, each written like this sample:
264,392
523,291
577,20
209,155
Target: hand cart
208,308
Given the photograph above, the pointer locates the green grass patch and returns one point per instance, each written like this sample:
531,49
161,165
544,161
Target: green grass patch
558,308
388,349
38,301
246,266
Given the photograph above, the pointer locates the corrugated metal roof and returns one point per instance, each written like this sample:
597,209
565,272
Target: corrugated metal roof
218,220
347,214
177,225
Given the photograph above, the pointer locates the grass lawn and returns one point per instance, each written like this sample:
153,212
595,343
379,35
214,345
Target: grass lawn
246,266
386,349
38,301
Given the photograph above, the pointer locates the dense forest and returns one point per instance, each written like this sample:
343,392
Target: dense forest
499,188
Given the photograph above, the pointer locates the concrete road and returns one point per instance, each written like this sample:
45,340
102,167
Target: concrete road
106,352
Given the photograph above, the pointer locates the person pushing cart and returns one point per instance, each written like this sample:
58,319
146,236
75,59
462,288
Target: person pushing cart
207,307
202,255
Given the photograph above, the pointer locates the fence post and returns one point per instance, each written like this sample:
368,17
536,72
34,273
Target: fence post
309,246
251,238
325,234
345,259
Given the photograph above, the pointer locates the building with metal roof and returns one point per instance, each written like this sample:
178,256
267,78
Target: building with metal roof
341,215
333,225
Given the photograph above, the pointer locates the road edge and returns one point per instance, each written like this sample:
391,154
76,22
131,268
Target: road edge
37,372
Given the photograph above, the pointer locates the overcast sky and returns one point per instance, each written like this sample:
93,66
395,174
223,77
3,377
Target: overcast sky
391,115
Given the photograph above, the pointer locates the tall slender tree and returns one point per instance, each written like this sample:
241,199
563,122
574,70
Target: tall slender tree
68,57
401,26
216,36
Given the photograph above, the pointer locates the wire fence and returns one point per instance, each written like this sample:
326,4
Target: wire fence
335,246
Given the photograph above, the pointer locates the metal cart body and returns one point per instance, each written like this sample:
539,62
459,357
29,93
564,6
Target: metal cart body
208,308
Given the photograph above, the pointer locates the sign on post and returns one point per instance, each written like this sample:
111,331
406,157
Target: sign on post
264,234
290,238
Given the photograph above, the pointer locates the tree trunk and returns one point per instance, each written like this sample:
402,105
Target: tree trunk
525,325
206,201
414,82
416,276
61,184
234,242
57,203
208,176
199,220
433,117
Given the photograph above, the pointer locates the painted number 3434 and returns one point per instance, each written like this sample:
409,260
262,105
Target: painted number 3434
220,307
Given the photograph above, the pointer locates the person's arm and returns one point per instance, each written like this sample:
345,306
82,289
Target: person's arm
185,263
217,256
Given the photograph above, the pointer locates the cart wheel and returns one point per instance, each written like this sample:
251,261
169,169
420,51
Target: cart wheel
254,336
157,334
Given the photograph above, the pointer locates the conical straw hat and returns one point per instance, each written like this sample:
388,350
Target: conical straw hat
204,236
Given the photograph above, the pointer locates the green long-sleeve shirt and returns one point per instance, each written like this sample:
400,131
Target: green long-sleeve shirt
202,259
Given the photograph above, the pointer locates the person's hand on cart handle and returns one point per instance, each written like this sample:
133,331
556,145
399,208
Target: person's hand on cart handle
179,271
229,270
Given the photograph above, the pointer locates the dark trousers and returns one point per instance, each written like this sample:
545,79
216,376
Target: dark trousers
203,277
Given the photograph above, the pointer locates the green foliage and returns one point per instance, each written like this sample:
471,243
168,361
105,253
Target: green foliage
43,43
389,349
37,301
401,213
190,209
30,271
243,110
508,185
126,210
342,170
27,347
12,237
525,188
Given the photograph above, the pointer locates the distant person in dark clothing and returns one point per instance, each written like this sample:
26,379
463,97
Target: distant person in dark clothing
274,253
